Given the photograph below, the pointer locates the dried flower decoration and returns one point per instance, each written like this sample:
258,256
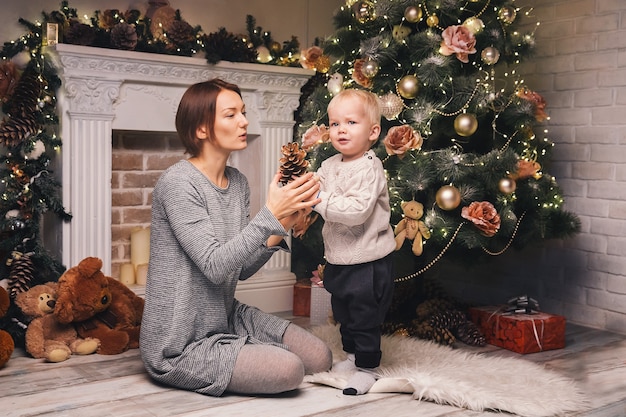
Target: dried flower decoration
537,100
315,135
484,216
358,76
458,40
401,139
309,57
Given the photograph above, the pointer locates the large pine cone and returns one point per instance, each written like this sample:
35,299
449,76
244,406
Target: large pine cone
21,273
124,36
293,162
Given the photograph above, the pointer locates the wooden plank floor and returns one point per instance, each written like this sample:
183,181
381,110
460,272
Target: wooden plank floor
98,385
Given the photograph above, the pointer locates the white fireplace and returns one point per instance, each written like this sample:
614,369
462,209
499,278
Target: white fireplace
105,90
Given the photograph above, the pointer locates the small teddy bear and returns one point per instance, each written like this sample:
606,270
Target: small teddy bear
411,227
46,337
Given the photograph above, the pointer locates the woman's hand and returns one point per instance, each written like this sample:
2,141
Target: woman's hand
285,202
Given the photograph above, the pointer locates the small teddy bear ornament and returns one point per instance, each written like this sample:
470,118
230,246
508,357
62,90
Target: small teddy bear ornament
411,227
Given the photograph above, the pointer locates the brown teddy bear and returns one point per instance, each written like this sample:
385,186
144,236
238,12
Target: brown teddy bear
7,345
46,337
411,227
100,307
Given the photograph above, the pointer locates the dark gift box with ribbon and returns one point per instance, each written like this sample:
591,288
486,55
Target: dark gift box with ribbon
519,326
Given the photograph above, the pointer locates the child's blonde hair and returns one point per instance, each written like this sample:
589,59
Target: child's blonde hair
369,100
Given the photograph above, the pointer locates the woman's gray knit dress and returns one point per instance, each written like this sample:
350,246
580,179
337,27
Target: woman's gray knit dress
202,242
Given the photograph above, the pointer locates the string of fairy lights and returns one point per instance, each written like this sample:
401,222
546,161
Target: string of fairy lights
399,87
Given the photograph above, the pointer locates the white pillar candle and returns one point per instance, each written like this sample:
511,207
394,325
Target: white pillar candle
142,274
127,274
140,246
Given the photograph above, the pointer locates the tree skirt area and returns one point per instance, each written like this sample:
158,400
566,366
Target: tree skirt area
437,373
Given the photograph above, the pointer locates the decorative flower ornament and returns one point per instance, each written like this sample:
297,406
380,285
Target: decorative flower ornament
537,100
315,135
458,40
358,76
309,57
484,216
401,139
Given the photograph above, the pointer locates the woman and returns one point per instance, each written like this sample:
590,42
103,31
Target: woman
195,335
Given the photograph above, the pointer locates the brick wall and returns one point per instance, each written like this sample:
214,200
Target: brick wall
580,69
138,160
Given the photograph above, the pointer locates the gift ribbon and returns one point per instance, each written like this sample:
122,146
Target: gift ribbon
522,304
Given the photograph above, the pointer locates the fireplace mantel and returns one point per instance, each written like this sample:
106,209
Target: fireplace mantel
105,90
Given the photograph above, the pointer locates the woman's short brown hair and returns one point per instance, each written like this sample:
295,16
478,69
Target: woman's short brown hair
196,109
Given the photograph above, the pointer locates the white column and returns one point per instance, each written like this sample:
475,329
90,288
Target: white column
87,105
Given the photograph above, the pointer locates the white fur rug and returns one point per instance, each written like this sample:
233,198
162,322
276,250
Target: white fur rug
443,375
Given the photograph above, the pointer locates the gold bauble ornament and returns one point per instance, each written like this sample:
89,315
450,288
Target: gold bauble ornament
322,64
490,55
465,124
263,54
507,14
364,11
448,197
474,24
391,106
413,14
408,86
276,47
432,21
370,68
507,185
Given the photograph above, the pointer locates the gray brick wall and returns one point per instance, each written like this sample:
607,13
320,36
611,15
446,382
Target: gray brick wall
580,69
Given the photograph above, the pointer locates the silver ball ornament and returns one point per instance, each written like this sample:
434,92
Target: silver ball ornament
507,14
413,14
391,106
490,55
370,68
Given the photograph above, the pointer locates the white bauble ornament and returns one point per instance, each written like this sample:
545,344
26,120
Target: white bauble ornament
263,54
37,151
391,105
21,59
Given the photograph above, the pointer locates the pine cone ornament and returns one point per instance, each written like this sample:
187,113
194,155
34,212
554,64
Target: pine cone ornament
78,33
468,333
181,33
20,274
293,163
449,319
22,110
16,130
124,36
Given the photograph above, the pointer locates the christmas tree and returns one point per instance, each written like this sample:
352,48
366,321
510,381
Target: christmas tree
461,131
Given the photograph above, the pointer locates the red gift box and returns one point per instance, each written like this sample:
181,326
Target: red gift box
519,332
302,298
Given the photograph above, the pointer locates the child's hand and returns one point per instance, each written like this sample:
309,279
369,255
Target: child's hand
299,194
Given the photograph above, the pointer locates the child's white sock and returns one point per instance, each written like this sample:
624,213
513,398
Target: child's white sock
360,382
345,365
